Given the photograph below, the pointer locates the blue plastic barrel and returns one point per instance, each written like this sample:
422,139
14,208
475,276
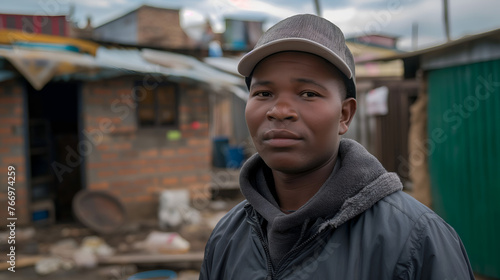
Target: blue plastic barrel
220,145
234,156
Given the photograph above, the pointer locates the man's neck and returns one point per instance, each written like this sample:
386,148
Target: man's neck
294,190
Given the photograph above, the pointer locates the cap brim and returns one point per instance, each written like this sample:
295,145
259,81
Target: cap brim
251,59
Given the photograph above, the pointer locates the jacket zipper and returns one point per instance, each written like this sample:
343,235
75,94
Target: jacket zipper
287,256
258,230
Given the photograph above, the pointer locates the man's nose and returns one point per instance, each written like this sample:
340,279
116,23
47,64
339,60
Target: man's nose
281,111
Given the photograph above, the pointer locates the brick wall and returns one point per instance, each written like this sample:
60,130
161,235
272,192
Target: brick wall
161,27
12,150
135,164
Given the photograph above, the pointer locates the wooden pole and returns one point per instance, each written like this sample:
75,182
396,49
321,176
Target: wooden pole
446,20
318,7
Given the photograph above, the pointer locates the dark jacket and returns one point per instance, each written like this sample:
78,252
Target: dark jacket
377,232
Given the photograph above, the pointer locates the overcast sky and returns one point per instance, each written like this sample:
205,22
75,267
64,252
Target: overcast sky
391,17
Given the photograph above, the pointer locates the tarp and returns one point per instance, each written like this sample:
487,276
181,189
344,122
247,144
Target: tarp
41,66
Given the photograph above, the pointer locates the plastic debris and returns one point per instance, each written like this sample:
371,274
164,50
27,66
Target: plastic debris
174,209
164,243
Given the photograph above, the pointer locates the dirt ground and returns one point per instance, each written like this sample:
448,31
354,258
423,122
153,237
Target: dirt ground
38,242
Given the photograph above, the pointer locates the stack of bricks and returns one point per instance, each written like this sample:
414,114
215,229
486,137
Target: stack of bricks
136,164
12,150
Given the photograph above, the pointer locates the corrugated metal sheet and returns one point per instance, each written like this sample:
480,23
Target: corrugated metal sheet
464,156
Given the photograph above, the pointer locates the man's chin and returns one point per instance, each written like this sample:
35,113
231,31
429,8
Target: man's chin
284,164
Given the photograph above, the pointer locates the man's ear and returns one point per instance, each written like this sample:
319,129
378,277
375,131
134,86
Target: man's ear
349,106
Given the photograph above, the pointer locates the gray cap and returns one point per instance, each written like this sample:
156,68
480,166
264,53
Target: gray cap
304,33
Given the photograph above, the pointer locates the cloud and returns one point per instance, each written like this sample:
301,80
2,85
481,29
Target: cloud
392,17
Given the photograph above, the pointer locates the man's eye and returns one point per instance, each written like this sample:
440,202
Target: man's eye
309,94
263,94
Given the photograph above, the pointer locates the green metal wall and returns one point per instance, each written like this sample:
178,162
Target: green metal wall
464,154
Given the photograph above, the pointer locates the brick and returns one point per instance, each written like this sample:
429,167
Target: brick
169,181
93,100
122,146
198,142
12,140
18,110
108,156
124,129
142,182
153,189
185,168
167,152
122,164
148,170
127,200
184,151
149,153
20,178
97,165
4,111
144,198
203,150
11,121
104,174
132,190
119,184
206,177
99,186
137,162
11,100
116,120
128,171
165,169
5,130
189,179
102,147
102,91
13,160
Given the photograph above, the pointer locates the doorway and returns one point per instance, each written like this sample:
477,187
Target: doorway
53,132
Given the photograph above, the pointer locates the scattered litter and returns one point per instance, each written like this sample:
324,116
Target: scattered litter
64,248
97,246
165,243
50,265
85,258
174,209
22,234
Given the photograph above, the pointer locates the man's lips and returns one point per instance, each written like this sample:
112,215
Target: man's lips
281,138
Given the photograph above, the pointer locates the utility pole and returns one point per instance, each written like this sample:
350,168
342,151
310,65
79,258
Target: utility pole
446,20
414,36
318,8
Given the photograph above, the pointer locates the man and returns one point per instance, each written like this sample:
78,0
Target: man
318,206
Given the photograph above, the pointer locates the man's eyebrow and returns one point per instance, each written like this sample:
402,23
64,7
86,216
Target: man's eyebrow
260,83
308,81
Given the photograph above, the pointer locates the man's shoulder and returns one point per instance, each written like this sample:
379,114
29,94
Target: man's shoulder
406,204
407,208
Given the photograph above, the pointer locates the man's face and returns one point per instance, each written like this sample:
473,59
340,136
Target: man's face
296,111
